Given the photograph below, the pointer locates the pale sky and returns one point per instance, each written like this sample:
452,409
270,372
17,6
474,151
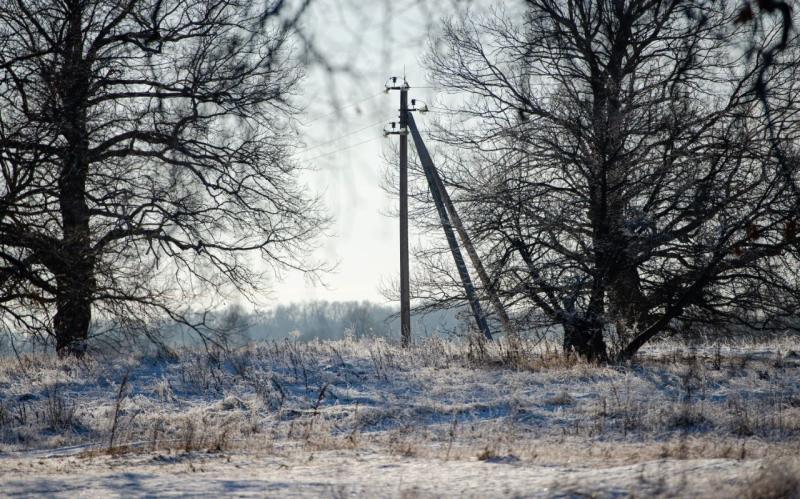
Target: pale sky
347,147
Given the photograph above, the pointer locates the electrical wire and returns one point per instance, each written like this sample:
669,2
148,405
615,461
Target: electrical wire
365,127
337,139
339,109
343,149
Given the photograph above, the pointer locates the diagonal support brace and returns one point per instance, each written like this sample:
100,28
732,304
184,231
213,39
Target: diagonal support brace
430,175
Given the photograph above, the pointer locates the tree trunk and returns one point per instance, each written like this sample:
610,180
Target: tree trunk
73,316
628,306
585,338
75,279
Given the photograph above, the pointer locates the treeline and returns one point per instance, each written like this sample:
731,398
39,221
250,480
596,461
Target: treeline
314,320
296,321
335,320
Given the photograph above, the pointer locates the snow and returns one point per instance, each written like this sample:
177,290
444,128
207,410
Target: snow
366,418
354,474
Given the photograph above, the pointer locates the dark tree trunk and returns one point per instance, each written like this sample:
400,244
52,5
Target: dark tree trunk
73,315
75,279
628,303
585,338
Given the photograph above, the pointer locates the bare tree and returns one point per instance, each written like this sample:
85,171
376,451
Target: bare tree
144,146
614,162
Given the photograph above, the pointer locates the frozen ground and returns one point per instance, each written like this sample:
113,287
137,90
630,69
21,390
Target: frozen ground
366,418
350,473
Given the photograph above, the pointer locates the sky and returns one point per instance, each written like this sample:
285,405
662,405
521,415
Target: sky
341,127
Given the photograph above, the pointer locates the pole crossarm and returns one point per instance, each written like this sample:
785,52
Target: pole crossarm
432,175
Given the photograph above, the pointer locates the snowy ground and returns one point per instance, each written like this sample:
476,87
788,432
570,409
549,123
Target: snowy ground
347,474
369,419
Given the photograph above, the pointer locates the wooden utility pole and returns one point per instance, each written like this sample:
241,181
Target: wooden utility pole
405,300
447,226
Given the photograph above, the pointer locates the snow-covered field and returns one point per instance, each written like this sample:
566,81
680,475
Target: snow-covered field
367,418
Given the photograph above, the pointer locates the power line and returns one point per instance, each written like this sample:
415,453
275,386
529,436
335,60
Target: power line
455,87
344,148
331,141
339,109
351,146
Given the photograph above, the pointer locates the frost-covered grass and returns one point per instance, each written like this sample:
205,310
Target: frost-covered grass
447,401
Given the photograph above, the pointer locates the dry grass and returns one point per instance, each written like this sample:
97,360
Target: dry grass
440,399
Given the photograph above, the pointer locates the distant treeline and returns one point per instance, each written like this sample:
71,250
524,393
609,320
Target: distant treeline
334,320
315,320
297,321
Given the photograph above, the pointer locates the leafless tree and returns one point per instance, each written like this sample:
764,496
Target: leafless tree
145,152
614,163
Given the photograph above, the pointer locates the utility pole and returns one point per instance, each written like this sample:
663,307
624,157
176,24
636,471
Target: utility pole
405,300
447,215
435,185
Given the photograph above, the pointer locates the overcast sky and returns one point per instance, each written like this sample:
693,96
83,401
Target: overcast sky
342,131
